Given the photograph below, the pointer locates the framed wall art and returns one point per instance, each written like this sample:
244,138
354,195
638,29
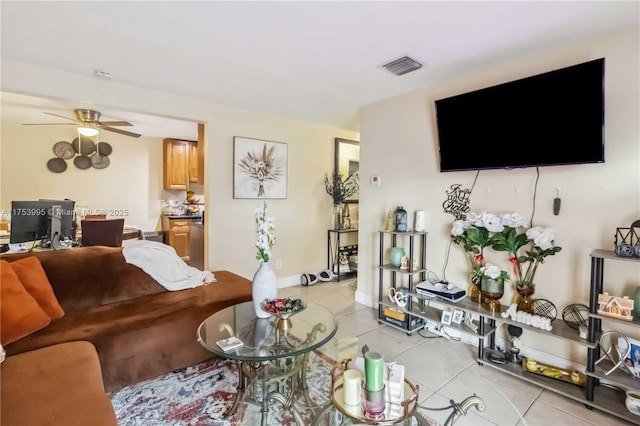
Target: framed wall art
259,168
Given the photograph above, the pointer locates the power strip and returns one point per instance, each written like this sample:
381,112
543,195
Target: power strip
441,330
435,328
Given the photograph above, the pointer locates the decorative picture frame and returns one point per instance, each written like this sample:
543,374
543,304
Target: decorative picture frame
468,320
458,315
446,318
259,169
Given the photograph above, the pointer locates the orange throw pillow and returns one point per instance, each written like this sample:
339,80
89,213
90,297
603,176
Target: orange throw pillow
20,314
32,276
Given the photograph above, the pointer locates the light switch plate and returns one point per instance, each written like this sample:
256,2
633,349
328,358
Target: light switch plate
376,180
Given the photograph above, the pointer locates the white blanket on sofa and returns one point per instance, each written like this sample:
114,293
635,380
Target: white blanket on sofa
165,266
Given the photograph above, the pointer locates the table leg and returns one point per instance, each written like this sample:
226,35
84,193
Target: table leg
239,392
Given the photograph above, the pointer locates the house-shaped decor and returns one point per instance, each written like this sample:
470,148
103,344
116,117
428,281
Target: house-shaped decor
616,307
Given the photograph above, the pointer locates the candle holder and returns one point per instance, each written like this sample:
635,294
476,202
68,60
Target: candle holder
373,403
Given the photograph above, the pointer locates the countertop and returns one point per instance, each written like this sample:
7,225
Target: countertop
186,216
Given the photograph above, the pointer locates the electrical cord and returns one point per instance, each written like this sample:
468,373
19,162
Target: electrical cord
450,337
474,183
432,277
535,191
446,262
435,336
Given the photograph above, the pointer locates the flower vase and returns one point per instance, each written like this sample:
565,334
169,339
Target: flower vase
265,286
492,290
524,298
337,215
473,292
395,256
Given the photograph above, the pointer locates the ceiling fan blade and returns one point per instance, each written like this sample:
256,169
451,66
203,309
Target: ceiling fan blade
115,123
49,124
62,116
122,132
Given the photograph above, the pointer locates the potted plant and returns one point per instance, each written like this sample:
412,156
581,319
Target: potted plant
340,189
537,243
492,284
507,232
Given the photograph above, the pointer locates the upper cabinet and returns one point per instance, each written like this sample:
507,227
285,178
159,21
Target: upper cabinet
200,154
176,164
193,162
183,162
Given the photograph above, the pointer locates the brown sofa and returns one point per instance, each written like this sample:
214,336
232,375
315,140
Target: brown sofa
140,329
60,385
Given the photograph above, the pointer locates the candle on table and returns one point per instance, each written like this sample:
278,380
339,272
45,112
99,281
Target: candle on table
374,371
352,386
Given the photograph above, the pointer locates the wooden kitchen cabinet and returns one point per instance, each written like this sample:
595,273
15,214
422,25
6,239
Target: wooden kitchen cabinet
177,234
193,162
176,164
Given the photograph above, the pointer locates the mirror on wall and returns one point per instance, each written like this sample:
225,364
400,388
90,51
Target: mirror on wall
347,162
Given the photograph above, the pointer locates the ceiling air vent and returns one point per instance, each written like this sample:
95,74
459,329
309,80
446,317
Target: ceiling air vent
402,65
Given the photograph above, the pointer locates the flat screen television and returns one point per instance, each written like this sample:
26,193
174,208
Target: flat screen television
32,220
554,118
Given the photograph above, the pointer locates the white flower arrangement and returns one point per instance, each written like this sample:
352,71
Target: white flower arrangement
265,233
494,272
481,230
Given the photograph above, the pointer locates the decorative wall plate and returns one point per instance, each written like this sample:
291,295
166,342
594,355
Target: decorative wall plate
99,161
64,150
87,147
82,162
104,148
57,165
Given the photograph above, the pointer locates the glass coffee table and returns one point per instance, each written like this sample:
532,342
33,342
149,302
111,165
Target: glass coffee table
272,360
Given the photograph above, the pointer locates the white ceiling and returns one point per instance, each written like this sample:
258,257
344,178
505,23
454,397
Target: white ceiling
312,61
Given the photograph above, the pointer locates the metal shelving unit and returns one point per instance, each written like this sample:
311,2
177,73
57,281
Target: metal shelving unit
601,391
411,321
335,248
613,404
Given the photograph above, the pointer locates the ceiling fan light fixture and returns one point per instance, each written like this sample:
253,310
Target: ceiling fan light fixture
88,130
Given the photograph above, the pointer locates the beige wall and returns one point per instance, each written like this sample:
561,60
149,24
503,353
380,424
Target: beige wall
302,219
596,198
130,187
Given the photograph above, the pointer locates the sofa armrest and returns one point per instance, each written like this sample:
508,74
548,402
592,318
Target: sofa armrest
56,385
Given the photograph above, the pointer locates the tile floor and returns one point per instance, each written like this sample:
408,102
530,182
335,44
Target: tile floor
445,369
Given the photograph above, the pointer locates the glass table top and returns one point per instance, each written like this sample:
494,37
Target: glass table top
262,341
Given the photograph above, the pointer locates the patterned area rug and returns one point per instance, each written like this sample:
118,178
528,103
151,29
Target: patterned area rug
199,395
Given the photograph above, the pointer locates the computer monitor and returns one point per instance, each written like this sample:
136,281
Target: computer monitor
32,220
67,225
29,221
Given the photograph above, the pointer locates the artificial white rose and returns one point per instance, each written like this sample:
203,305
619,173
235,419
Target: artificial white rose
534,232
474,217
492,271
514,220
492,222
459,227
544,239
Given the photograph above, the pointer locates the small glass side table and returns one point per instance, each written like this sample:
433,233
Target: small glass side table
271,361
337,413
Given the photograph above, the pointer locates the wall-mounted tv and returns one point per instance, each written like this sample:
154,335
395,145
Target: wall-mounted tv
554,118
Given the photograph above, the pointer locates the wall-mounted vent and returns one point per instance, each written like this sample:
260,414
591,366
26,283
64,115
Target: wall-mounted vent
402,65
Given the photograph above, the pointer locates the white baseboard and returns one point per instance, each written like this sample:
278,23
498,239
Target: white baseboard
289,281
366,299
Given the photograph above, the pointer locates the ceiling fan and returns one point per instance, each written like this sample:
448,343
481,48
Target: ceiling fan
89,123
